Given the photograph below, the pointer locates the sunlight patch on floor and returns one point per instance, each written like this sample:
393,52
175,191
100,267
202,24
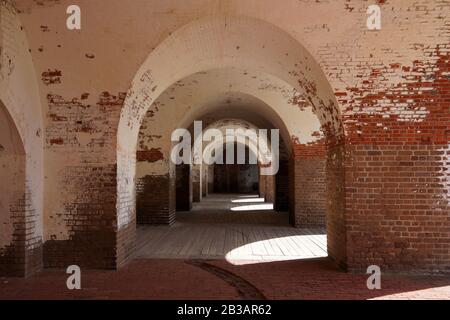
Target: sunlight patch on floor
254,207
430,294
242,229
248,200
299,247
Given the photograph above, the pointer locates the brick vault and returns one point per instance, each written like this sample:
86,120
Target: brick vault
86,118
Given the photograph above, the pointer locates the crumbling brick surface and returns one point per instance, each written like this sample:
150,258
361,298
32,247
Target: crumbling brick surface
87,220
21,153
379,180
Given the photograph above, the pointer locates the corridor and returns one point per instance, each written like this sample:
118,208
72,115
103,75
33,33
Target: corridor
224,149
243,229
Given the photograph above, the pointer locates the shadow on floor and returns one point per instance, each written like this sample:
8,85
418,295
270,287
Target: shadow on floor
179,279
240,229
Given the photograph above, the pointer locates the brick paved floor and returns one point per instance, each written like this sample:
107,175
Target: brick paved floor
217,279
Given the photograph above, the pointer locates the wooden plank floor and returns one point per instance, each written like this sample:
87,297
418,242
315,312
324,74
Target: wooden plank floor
240,228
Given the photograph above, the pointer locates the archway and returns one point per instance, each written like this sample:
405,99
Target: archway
12,197
236,178
155,172
276,56
21,154
239,137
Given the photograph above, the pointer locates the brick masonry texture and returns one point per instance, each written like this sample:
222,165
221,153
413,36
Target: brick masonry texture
308,203
155,200
179,279
376,171
86,130
21,158
405,192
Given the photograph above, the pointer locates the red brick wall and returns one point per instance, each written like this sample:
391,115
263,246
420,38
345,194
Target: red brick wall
397,207
336,205
308,197
155,200
387,190
396,182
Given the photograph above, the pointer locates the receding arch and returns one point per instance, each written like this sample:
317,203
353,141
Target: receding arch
235,178
235,124
196,48
241,92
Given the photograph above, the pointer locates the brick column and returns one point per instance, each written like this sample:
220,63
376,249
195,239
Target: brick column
308,186
335,206
267,187
155,198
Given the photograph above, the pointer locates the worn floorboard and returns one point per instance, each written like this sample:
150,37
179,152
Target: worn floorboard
214,229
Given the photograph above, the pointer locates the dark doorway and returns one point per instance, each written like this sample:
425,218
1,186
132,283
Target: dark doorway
236,178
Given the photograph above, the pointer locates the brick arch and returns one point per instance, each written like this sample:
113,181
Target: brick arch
250,146
252,91
21,111
257,99
244,42
249,104
192,100
265,182
219,42
226,178
229,123
12,192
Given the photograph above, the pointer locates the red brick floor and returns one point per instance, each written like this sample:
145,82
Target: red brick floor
179,279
